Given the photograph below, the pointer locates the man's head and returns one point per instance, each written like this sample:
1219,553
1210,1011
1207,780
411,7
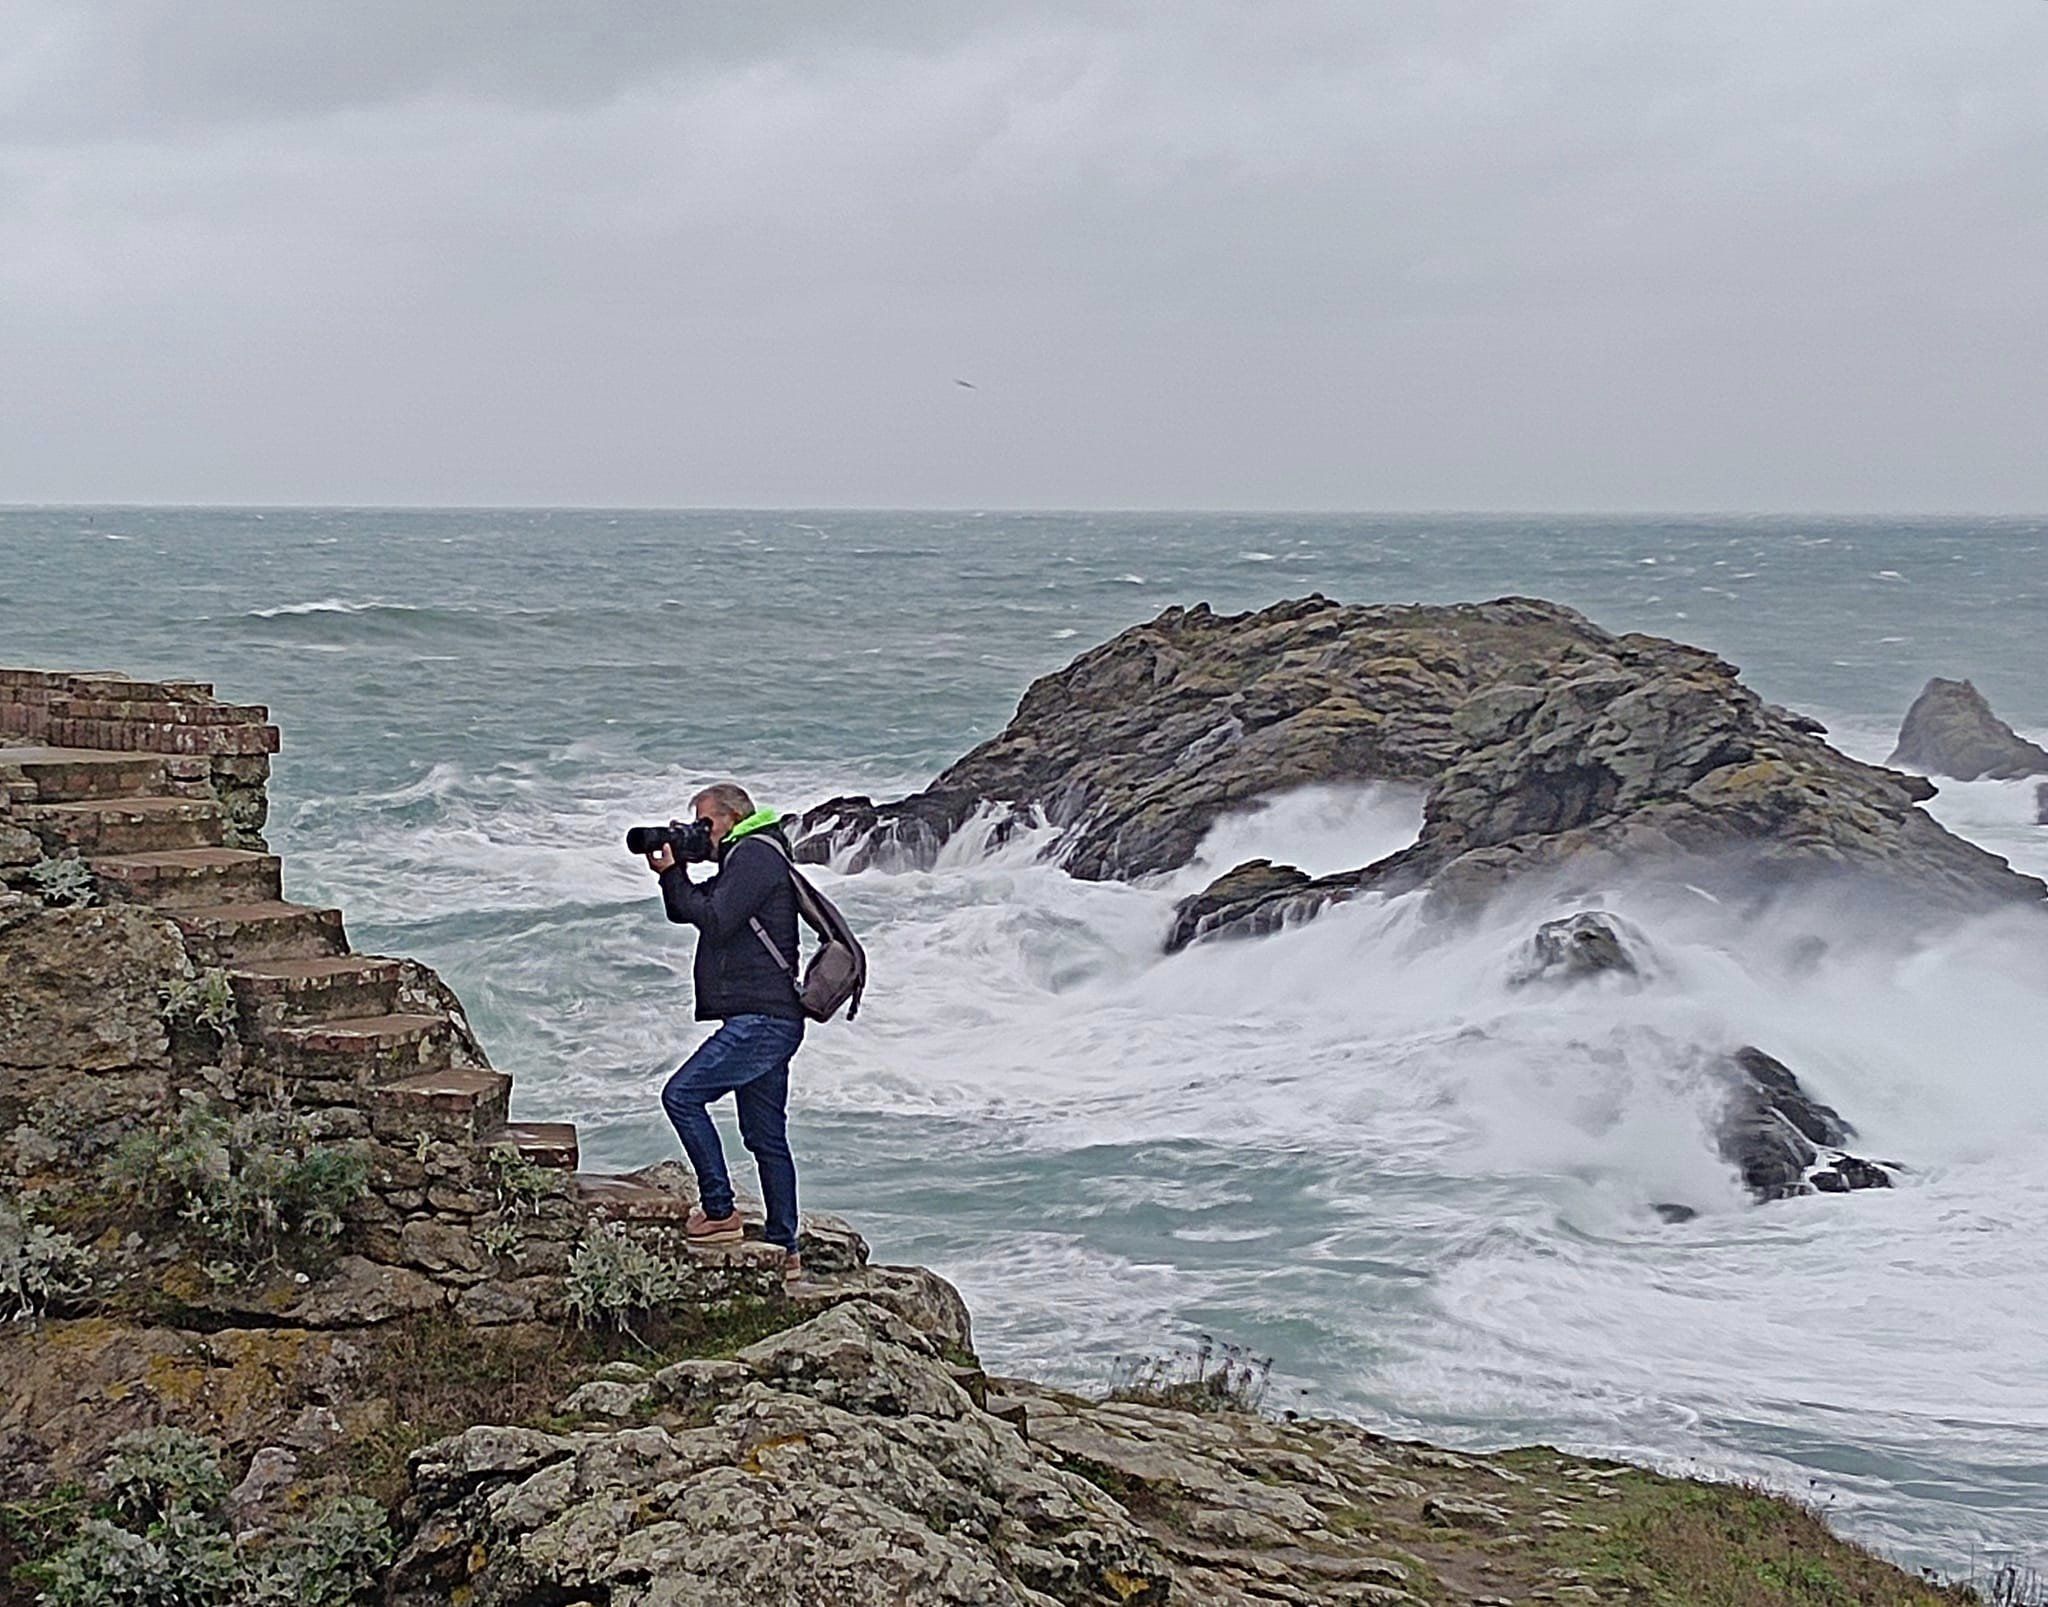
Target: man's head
725,804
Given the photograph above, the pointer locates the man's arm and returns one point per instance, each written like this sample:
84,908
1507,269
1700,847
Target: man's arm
725,903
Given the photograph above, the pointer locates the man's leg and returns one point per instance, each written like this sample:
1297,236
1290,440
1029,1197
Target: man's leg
764,1127
719,1064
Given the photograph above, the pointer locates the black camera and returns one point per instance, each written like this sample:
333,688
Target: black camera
691,839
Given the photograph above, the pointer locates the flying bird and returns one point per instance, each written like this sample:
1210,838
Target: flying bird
967,384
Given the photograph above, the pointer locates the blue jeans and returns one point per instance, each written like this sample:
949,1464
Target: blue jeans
748,1057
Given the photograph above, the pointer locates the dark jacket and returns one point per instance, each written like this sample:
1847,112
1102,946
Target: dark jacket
734,974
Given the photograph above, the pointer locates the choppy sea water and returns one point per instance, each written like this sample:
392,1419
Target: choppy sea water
1353,1146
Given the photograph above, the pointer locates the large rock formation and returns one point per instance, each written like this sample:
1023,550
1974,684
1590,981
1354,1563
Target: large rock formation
1140,744
1549,746
1951,731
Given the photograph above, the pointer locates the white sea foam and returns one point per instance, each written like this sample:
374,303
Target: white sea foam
330,605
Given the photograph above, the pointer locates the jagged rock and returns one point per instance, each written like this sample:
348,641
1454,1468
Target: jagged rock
918,1295
1140,744
689,1382
83,987
1775,1133
1460,1512
1590,943
858,1356
1846,1172
1550,747
782,1497
608,1397
1951,731
72,1387
1258,883
272,1471
1666,761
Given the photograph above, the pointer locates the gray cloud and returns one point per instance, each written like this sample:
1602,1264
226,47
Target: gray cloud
1594,254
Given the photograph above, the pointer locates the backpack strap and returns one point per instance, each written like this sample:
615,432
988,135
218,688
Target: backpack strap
806,900
773,948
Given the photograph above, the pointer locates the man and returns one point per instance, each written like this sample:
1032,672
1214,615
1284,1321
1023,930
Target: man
748,989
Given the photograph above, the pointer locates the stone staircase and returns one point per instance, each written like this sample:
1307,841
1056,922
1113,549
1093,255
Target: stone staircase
161,790
332,1021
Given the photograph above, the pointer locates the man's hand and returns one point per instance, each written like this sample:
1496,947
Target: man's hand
662,859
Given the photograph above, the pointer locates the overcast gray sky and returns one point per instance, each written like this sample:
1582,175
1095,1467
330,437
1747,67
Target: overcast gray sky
1718,254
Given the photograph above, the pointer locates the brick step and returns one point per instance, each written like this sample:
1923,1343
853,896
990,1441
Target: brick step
65,775
163,737
455,1106
188,878
322,987
627,1199
364,1052
239,934
549,1144
146,710
125,825
23,683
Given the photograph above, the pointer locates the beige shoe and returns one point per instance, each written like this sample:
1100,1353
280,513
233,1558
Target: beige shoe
792,1267
702,1229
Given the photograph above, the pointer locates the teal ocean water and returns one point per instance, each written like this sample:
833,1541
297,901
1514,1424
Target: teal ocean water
1351,1146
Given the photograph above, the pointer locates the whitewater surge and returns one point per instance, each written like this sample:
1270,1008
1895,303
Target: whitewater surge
1362,1146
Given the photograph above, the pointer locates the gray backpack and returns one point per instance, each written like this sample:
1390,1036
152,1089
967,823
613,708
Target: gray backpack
838,972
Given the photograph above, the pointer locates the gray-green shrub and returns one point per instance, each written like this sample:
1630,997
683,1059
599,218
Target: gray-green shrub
39,1266
613,1279
204,999
258,1186
66,883
163,1540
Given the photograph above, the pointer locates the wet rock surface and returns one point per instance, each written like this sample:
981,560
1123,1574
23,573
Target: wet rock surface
1782,1140
1140,744
1588,944
1272,891
1951,731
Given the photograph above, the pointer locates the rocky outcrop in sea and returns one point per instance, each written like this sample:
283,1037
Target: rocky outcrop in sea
1551,751
1951,731
1780,1139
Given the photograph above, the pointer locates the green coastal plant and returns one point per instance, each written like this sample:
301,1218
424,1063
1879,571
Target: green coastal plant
502,1240
258,1187
65,883
519,1182
161,1538
156,1471
39,1266
614,1279
204,999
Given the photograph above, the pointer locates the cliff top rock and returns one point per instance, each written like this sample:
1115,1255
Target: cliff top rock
1951,731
